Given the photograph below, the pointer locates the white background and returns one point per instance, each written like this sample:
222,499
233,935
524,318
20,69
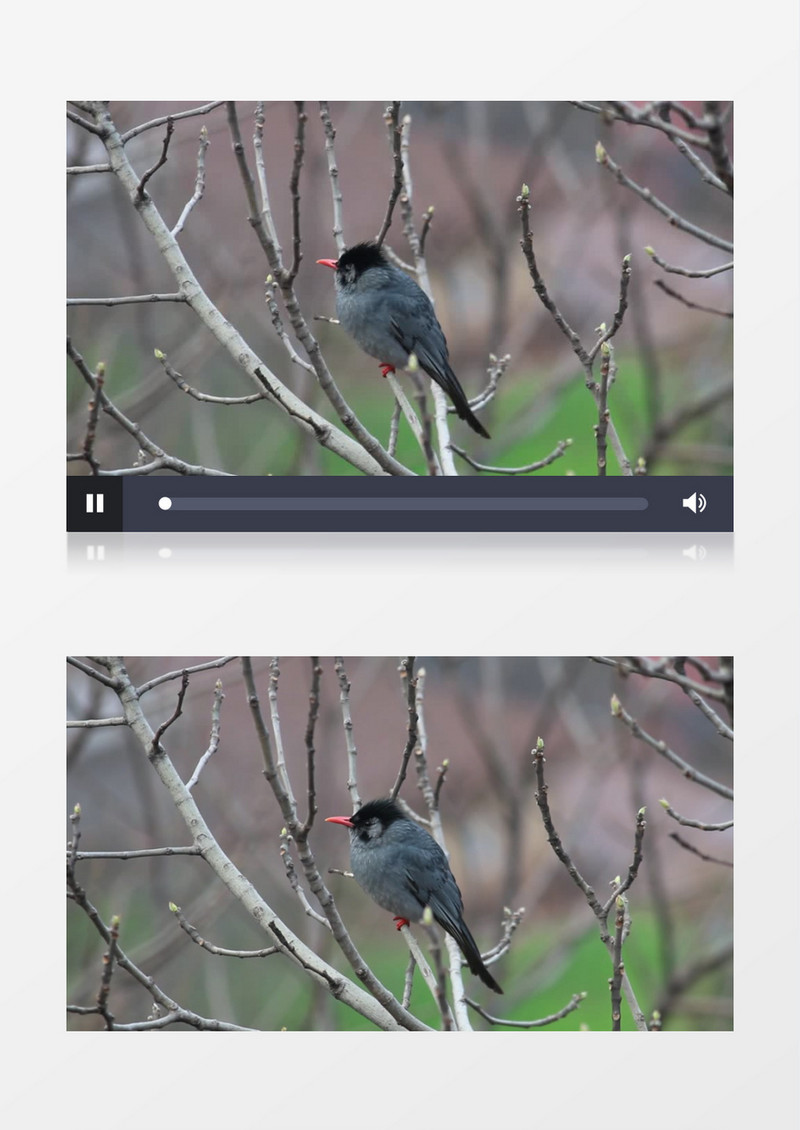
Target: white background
388,595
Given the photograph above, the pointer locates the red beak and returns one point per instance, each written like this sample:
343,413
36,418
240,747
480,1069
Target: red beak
328,263
348,823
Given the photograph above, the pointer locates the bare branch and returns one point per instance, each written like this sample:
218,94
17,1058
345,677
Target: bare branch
645,194
156,122
625,112
407,677
126,300
199,184
218,951
139,853
313,714
162,729
392,119
170,675
690,274
106,680
160,458
585,357
294,190
542,1023
688,847
347,722
205,397
687,302
90,127
333,173
601,912
618,711
557,452
723,827
421,268
213,744
77,170
718,145
162,160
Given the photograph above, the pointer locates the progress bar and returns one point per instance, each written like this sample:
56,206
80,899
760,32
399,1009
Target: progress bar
416,504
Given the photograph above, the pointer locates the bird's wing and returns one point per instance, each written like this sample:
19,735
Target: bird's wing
427,342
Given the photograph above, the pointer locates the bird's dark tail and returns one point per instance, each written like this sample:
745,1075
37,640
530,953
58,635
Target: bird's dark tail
470,950
474,422
451,385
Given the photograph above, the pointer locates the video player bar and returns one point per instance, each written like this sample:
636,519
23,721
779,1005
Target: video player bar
109,503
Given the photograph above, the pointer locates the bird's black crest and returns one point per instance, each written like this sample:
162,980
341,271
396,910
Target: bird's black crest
361,256
385,810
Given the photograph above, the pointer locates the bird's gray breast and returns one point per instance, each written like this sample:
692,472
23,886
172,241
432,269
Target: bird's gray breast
364,310
386,870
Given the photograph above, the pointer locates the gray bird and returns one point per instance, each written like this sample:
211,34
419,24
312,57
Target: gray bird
403,869
390,317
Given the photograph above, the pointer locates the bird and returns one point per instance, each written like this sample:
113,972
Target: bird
404,870
390,316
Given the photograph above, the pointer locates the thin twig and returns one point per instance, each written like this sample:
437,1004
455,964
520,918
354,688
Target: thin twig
333,173
601,912
689,274
156,122
204,397
718,145
76,170
392,119
618,968
313,714
692,774
210,665
106,680
695,851
213,744
625,112
691,305
139,853
160,458
557,452
91,423
294,882
542,1023
661,669
209,947
126,299
421,268
406,670
601,427
586,357
258,148
294,190
645,194
90,127
199,184
162,729
347,722
701,824
140,193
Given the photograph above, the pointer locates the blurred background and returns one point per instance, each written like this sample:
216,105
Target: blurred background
482,715
469,160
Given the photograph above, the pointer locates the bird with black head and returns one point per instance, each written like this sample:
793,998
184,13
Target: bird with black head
404,870
390,317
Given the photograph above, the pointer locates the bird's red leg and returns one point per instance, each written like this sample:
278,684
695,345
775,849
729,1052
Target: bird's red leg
401,922
385,369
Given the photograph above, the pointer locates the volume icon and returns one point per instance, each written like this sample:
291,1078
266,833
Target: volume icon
695,502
